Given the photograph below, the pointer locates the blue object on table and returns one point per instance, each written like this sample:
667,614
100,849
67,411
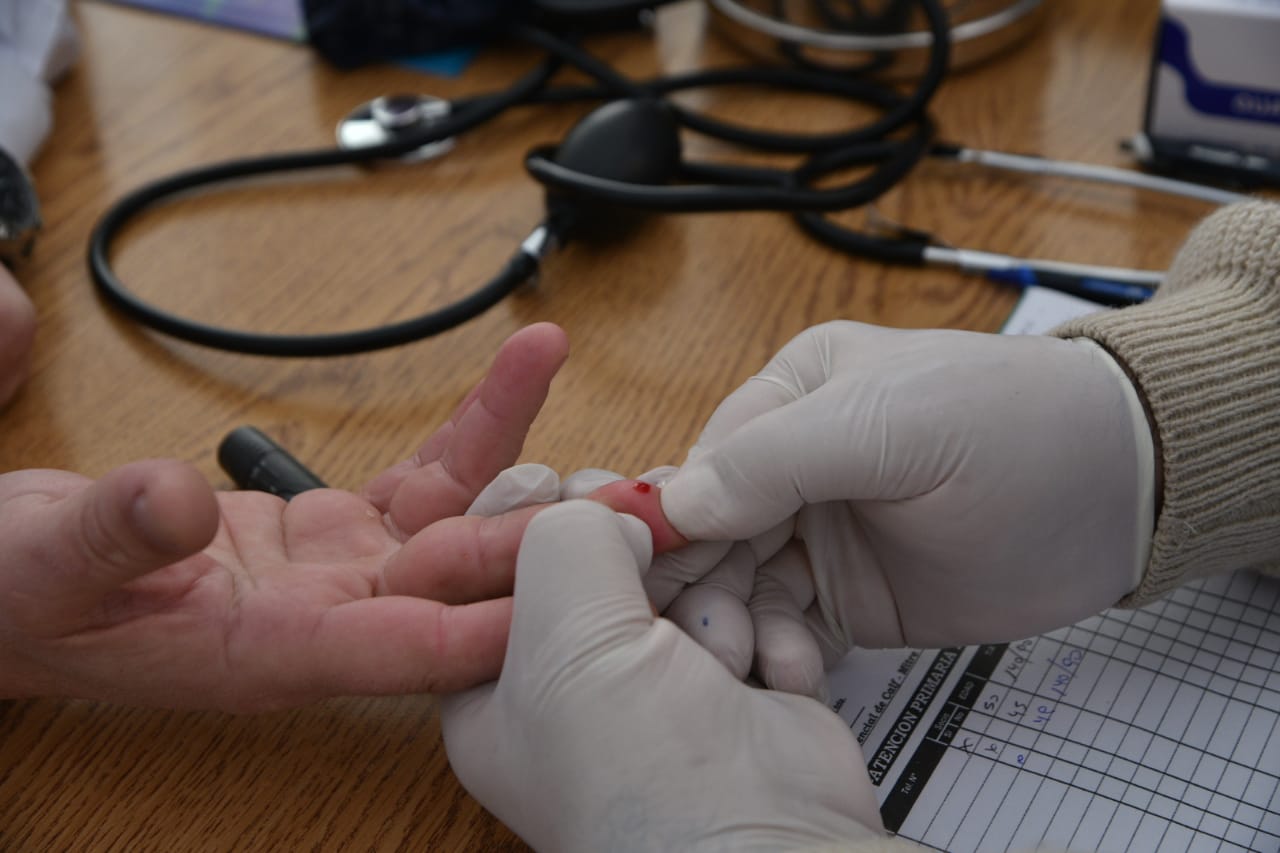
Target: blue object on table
277,18
444,63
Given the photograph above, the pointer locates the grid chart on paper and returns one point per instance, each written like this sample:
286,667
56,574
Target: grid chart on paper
1148,730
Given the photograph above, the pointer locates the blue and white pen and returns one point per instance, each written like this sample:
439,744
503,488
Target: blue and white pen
1105,285
1100,290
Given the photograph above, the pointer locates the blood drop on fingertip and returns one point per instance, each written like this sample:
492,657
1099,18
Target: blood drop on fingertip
644,501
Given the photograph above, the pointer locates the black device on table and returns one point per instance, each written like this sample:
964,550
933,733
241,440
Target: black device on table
254,461
19,211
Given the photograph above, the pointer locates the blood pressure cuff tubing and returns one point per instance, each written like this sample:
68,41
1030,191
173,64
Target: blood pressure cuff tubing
350,33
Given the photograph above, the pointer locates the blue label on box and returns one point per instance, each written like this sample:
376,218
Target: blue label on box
1217,99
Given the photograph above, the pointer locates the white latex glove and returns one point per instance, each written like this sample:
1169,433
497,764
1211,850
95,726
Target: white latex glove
612,730
37,45
942,488
714,609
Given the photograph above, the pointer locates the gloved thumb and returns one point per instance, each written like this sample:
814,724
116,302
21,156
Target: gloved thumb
807,451
136,519
577,586
578,596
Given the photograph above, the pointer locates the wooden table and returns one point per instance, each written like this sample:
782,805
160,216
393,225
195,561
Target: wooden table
663,326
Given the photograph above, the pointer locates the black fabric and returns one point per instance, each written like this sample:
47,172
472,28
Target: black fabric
350,33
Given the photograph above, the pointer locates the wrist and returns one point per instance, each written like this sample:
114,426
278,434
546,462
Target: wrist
1147,447
1204,355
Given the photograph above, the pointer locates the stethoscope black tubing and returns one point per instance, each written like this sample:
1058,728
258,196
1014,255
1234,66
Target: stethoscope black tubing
781,191
470,114
728,187
898,111
790,190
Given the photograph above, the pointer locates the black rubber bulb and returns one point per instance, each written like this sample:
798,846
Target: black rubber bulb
636,141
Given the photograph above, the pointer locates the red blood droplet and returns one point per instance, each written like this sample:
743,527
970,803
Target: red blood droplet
645,502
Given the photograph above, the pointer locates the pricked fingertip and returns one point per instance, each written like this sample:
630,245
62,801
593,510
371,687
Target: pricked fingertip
644,501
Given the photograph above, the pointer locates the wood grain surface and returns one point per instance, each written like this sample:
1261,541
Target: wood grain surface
663,326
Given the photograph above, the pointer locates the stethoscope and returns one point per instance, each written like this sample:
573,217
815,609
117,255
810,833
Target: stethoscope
839,37
625,156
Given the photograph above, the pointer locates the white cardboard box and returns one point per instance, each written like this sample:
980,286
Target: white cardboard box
1215,77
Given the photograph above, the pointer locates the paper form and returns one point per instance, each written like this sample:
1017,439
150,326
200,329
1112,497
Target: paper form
1148,730
1040,309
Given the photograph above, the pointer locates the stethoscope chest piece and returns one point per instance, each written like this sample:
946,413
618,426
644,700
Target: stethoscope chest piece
392,117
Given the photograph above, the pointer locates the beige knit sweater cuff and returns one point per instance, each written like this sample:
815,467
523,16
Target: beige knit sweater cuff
1205,357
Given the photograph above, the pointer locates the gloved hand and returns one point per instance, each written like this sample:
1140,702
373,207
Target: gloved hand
719,598
714,609
612,730
939,488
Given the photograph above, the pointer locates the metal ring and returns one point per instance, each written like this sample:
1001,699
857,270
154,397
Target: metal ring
389,117
807,37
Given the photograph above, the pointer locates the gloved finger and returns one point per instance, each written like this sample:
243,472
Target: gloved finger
831,643
582,483
466,719
673,571
636,497
642,500
578,588
855,603
814,450
669,573
725,564
577,594
515,488
713,607
594,482
793,372
136,519
714,612
658,476
787,656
